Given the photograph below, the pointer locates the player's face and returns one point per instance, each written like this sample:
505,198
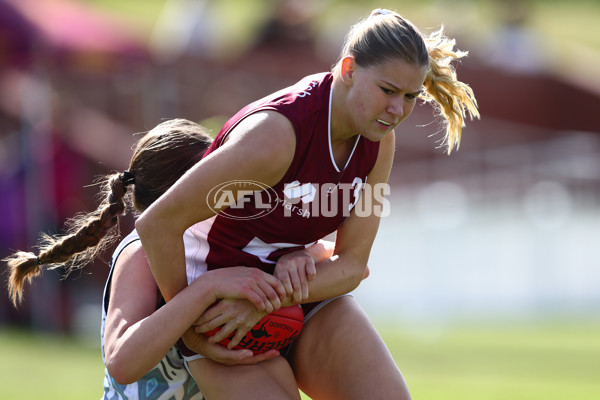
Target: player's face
382,96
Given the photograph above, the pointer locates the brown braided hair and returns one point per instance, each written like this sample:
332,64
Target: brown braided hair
160,157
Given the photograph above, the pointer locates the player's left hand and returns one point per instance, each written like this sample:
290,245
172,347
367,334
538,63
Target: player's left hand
264,290
294,270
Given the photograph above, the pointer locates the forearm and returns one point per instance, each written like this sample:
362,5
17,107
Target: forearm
142,345
335,276
344,271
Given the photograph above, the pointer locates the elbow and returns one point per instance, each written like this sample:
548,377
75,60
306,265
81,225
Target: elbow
120,376
149,221
366,273
120,370
147,225
156,225
353,271
142,223
358,275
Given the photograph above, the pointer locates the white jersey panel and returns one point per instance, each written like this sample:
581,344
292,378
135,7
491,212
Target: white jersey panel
196,248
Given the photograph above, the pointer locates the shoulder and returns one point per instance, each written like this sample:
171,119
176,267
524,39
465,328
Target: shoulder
274,124
127,241
266,138
280,113
132,271
264,131
131,260
309,87
133,250
304,99
307,98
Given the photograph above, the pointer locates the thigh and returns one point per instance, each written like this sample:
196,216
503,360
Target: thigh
340,355
271,379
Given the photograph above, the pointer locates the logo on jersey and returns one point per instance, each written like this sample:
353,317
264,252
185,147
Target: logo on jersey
230,198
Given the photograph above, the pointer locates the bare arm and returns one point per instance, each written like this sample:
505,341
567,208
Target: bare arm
347,267
344,271
132,345
260,148
335,275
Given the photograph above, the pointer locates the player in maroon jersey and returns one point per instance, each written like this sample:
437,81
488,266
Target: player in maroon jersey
310,152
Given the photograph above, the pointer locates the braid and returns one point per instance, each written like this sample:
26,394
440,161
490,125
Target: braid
454,99
22,266
159,159
87,235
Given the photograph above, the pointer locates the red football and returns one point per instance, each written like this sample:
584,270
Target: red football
273,331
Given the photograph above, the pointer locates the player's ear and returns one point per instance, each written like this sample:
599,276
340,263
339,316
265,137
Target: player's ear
347,68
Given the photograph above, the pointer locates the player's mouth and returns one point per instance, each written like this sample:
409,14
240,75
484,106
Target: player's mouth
384,123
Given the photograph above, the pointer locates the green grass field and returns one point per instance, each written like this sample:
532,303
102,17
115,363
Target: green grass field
543,361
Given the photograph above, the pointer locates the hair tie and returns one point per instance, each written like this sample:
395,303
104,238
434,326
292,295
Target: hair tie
127,178
37,259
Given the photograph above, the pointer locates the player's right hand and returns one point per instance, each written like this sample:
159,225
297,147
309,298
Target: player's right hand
200,344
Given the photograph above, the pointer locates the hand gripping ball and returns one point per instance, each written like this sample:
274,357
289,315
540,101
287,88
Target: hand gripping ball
273,331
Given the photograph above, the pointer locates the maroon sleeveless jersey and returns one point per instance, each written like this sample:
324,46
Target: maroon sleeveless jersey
311,200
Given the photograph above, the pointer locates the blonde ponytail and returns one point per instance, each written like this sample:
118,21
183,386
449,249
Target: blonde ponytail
454,99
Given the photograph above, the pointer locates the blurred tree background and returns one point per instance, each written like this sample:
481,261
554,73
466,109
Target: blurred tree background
501,232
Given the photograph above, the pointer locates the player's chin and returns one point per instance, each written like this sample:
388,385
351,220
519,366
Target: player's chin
378,134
